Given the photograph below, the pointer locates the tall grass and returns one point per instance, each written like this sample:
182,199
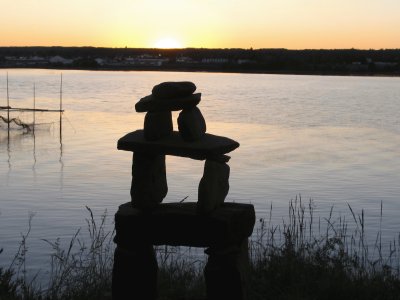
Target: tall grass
303,257
81,271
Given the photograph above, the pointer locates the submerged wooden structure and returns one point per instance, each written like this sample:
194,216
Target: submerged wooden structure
8,108
24,125
221,227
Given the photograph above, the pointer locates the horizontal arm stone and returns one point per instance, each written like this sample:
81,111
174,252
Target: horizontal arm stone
210,146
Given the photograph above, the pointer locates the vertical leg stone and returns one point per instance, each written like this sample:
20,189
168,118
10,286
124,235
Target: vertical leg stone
213,187
225,272
157,125
149,180
134,274
191,124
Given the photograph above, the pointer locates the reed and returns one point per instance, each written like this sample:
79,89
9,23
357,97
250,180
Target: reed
302,259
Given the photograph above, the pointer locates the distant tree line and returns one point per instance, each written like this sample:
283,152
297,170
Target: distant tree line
250,60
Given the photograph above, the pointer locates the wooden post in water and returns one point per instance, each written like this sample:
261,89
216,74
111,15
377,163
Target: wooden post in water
61,82
8,109
34,124
61,111
34,107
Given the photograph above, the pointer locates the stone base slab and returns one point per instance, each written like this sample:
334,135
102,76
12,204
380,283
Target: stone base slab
179,224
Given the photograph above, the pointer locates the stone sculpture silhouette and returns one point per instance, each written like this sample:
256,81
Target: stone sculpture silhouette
222,228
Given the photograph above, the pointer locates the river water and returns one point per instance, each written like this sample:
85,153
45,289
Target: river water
335,140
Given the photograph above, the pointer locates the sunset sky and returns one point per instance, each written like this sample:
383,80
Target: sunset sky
292,24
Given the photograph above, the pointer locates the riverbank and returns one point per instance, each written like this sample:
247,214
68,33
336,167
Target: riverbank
287,261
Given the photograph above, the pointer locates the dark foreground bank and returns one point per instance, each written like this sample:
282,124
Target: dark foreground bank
298,259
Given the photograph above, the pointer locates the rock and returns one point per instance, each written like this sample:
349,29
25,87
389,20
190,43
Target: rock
191,124
210,146
157,125
149,180
226,272
134,274
151,103
169,90
180,224
213,187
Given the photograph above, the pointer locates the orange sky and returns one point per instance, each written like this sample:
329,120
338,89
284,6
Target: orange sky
292,24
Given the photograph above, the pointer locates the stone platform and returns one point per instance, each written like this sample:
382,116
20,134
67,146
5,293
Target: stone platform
178,224
224,233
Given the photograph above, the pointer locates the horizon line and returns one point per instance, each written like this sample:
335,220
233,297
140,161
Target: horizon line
206,48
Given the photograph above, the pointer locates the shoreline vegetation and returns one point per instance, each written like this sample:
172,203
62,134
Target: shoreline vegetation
304,257
339,62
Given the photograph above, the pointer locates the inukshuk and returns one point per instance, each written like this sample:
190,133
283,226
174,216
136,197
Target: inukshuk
150,145
144,222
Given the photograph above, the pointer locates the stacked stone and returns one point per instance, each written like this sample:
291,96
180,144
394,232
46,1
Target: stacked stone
149,183
165,98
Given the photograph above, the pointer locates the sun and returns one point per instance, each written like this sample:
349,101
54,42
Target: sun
168,43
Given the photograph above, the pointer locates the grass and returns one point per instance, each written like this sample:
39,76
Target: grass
293,261
304,257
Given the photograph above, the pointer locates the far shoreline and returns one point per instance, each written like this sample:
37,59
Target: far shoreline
210,70
317,62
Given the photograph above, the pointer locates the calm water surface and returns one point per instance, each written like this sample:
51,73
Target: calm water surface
333,139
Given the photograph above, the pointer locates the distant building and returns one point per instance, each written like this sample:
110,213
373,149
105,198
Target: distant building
380,65
245,61
26,61
357,66
371,65
60,60
100,61
185,60
146,60
215,60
